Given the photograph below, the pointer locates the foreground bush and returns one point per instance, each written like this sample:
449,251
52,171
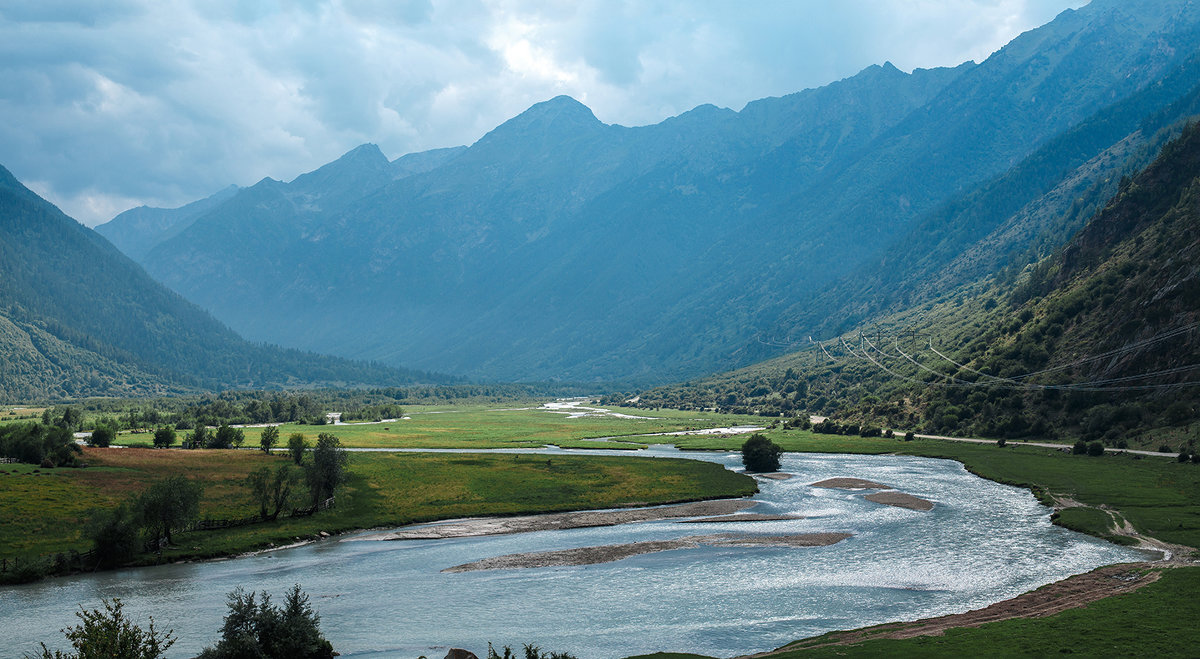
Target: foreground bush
257,628
109,633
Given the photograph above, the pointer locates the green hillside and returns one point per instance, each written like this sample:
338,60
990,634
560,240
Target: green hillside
1100,341
78,318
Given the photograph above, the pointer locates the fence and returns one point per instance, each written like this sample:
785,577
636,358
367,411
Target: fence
76,561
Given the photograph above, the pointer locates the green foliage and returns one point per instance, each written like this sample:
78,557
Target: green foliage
530,652
257,628
198,438
272,491
114,533
760,454
327,470
109,633
268,438
34,443
169,504
227,437
164,437
1095,449
102,435
297,445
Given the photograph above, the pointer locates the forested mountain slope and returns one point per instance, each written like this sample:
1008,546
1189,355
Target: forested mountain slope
78,318
558,246
1099,341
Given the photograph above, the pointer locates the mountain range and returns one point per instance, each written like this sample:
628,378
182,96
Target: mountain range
79,318
1100,340
561,247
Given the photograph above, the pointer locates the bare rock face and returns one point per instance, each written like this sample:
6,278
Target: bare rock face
459,653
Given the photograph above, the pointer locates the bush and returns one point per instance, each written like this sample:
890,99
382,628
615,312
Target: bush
114,534
1080,448
909,436
1001,442
164,437
760,454
531,652
109,633
1184,456
102,435
259,629
1095,449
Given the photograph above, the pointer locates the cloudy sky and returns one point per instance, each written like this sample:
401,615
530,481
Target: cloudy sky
109,105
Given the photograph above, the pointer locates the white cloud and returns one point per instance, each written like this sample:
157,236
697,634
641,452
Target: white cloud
164,101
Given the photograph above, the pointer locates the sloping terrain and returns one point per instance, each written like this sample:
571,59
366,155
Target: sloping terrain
558,246
79,318
1099,341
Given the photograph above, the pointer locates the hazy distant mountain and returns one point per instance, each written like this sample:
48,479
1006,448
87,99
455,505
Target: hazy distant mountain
78,318
561,247
1111,322
137,230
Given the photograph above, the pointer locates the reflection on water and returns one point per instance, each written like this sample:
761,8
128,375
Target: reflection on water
982,542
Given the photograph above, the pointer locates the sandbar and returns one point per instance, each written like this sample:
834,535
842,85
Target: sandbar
900,500
610,553
556,521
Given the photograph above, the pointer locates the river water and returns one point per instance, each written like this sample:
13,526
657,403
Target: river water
982,542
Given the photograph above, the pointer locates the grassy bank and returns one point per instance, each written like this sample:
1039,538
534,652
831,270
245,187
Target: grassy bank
42,510
1156,620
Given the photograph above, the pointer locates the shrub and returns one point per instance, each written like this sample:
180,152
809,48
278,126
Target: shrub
109,633
102,435
760,454
1184,456
1080,448
909,436
1001,442
1095,449
260,629
164,437
114,535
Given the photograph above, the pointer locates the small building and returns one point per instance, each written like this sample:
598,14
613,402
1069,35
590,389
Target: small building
332,418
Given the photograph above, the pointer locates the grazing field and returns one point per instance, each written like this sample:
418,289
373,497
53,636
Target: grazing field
477,427
43,511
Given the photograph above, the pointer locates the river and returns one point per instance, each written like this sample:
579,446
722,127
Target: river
981,543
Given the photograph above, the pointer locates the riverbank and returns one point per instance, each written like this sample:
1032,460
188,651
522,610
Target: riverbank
42,509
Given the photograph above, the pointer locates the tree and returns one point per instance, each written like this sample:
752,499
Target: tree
269,438
198,438
1095,449
760,454
271,491
114,534
256,628
169,504
328,467
1080,448
297,445
227,437
164,437
109,633
102,435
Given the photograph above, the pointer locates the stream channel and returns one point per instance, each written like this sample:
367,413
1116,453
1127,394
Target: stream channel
981,543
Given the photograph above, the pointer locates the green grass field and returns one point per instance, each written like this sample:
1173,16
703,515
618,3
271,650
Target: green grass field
42,510
478,427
